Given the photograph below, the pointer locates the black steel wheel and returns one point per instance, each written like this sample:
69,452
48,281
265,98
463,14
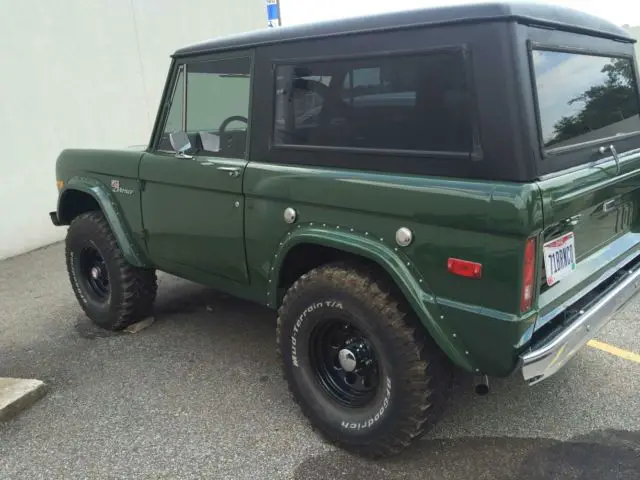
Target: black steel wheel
93,274
113,293
363,371
345,363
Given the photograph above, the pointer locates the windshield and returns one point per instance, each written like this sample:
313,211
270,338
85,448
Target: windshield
582,98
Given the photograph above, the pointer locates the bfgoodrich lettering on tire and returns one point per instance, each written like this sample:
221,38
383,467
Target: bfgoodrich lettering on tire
365,378
113,293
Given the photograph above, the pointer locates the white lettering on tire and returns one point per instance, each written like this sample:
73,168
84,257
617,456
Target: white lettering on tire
371,421
303,315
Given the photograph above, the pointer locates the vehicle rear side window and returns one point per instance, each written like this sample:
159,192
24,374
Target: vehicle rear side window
417,102
583,98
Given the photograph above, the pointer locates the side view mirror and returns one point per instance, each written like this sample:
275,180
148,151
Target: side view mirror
180,142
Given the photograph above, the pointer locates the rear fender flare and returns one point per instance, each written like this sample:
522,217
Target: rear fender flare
397,266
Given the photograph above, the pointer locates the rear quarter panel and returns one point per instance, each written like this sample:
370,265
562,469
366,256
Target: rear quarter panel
485,222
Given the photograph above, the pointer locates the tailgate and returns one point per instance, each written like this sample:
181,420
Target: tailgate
591,223
589,125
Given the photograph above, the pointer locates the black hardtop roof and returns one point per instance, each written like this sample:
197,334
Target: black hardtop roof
530,13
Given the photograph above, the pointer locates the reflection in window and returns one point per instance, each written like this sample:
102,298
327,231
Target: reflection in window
299,96
408,102
584,97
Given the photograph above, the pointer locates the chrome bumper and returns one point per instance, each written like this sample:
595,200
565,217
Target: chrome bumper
551,355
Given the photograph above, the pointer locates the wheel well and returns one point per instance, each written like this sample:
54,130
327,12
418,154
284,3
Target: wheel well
305,257
73,203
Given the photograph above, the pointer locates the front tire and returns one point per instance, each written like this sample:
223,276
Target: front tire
112,293
360,373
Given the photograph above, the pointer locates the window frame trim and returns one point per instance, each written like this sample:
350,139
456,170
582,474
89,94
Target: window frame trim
473,154
162,113
547,154
185,71
182,69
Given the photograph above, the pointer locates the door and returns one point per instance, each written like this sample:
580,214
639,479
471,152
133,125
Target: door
192,202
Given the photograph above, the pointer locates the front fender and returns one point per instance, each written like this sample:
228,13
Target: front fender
112,213
392,260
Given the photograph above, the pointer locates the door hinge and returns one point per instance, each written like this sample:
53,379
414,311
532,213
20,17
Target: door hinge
145,234
142,184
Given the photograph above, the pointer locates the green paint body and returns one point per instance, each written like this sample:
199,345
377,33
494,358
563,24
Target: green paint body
184,222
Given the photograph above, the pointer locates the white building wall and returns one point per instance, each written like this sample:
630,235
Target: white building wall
86,73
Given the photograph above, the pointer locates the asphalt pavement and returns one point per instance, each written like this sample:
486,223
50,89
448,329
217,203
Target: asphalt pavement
199,394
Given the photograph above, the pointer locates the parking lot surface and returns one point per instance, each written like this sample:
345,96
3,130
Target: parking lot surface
199,394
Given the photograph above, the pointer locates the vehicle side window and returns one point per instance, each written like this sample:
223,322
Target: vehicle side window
584,98
417,102
217,107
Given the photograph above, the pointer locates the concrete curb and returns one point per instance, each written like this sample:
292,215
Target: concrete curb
18,394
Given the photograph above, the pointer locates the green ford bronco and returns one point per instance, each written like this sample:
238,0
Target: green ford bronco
416,194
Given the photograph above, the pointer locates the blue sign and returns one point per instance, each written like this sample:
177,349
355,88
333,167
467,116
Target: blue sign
273,13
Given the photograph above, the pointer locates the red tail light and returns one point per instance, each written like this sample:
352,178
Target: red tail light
528,275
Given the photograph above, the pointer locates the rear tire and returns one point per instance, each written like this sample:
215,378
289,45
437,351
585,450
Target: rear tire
408,375
112,293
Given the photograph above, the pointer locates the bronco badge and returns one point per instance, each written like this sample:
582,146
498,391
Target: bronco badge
116,188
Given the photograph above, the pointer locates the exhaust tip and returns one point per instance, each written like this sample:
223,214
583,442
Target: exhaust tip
481,385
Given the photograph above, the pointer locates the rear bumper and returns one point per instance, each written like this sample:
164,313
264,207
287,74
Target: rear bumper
547,357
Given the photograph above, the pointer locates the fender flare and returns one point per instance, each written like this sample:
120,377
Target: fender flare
401,270
112,213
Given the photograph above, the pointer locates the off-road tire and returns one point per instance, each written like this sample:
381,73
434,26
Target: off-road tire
132,290
417,376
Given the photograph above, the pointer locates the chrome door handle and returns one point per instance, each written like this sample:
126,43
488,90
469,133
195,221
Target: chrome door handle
233,171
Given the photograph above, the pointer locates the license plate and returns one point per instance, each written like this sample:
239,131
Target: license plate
559,258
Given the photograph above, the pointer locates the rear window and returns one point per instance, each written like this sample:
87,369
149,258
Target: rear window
582,98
